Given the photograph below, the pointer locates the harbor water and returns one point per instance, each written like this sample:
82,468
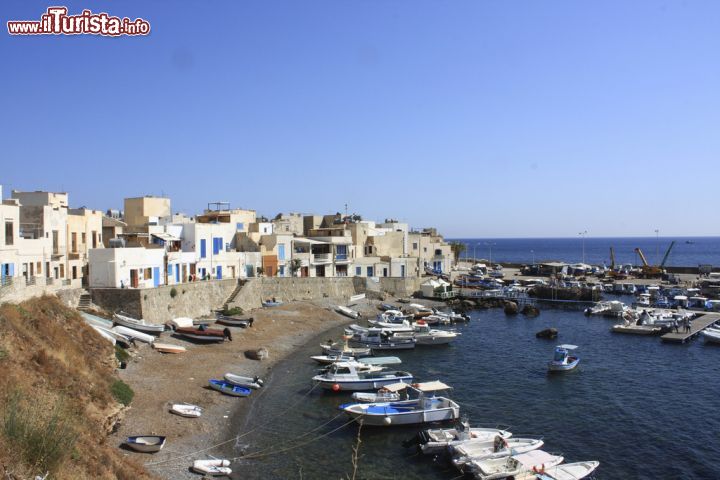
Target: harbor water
687,251
644,409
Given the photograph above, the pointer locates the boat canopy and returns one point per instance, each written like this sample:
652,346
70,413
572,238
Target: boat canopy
533,458
680,297
431,386
567,347
395,387
380,360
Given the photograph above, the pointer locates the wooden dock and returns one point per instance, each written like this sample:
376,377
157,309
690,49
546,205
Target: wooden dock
696,326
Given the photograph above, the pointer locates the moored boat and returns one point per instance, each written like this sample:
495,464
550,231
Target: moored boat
513,466
346,376
437,440
426,408
424,335
564,471
229,389
468,451
145,443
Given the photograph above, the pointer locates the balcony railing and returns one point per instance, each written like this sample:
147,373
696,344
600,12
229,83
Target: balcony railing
321,258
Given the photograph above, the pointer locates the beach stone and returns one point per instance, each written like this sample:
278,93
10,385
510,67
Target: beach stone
260,354
511,308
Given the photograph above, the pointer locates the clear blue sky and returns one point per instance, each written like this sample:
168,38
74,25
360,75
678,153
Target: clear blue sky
483,118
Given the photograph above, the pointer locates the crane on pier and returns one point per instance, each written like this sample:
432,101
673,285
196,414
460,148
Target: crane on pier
616,274
652,271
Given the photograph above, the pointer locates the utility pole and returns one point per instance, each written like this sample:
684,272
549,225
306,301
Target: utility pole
583,234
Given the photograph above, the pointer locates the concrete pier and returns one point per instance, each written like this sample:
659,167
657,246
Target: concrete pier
696,326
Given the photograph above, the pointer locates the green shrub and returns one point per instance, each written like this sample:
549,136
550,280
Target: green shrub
233,311
122,355
122,392
3,354
44,437
173,292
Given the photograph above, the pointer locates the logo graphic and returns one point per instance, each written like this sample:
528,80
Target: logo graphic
56,21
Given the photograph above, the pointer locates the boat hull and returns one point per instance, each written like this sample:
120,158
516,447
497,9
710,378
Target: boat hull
229,389
429,340
145,444
138,325
360,385
386,416
557,367
384,345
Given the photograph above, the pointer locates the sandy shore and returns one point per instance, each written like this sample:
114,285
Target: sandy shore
162,379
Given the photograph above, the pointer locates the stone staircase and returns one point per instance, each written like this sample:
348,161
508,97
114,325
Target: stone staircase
85,302
231,298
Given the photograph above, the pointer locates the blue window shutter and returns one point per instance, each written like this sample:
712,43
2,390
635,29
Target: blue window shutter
281,252
240,225
12,269
358,271
203,249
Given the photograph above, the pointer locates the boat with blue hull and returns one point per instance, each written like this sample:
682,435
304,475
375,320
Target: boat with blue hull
346,376
563,361
229,389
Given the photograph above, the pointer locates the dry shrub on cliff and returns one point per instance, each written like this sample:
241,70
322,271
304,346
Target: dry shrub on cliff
56,404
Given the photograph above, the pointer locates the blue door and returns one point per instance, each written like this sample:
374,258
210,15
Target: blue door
219,272
402,271
370,272
156,276
281,252
203,248
177,273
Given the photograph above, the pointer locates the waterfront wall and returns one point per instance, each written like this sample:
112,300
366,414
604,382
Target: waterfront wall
19,291
255,290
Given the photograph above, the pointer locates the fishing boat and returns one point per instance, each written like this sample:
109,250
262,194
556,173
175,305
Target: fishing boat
141,325
564,471
145,444
466,452
381,339
424,335
229,389
450,315
186,410
214,468
202,334
347,311
517,466
382,395
249,382
233,321
133,334
562,360
328,359
426,408
637,329
168,348
438,440
331,348
346,376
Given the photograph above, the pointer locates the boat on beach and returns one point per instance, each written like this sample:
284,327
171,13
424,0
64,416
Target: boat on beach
214,468
347,377
347,311
145,443
233,321
208,335
168,348
426,408
229,389
249,382
133,334
271,303
121,318
186,410
562,360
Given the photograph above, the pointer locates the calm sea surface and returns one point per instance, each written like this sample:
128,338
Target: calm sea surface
644,409
687,252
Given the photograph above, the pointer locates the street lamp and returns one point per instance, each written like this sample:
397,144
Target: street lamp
533,256
490,245
657,246
583,234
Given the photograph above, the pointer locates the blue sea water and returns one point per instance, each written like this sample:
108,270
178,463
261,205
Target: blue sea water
687,251
644,409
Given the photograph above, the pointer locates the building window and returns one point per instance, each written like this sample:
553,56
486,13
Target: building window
73,242
148,273
358,271
55,243
414,245
281,252
62,271
217,245
74,272
239,226
94,239
370,272
39,268
203,248
438,252
84,238
9,237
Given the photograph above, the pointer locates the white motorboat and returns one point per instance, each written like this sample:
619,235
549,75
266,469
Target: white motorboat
382,395
343,348
214,468
563,360
637,329
426,408
404,327
328,359
186,410
145,444
711,335
133,334
250,382
424,335
380,339
391,316
564,471
181,322
420,308
438,440
513,466
168,348
468,451
345,376
141,325
108,335
451,316
347,311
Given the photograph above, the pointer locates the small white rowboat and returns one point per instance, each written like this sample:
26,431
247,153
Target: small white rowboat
214,468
